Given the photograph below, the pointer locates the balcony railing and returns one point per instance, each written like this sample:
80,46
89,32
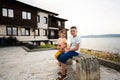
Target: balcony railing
52,37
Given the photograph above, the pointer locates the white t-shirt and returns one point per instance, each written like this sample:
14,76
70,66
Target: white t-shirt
74,41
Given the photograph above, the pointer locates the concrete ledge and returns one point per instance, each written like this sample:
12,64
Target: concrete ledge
25,48
41,49
87,67
109,64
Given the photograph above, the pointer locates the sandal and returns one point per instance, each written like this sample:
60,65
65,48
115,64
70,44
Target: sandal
61,77
59,73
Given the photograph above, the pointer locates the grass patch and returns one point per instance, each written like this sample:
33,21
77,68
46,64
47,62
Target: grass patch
105,55
48,46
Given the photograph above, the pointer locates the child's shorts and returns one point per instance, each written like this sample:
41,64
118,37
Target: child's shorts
57,54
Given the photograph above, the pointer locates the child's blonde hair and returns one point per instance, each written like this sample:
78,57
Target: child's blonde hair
61,31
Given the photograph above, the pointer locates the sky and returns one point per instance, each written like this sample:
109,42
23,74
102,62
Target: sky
91,17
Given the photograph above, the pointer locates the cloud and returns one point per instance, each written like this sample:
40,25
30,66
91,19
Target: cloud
90,16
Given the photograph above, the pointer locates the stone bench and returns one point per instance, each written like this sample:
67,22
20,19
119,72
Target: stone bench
87,67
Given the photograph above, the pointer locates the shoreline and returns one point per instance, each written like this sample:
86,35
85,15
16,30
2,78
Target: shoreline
101,51
101,54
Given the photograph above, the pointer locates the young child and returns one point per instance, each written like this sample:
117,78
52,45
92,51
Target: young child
62,43
73,51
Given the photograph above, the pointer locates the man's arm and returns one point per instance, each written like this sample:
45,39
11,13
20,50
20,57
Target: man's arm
76,47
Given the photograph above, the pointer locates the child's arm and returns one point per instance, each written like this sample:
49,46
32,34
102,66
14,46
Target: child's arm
70,46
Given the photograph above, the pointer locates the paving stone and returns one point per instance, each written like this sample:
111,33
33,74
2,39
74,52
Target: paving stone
17,64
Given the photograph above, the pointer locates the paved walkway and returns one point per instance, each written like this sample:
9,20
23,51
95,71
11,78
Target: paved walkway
17,64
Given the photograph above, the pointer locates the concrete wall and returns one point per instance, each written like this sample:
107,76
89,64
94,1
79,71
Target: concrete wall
109,64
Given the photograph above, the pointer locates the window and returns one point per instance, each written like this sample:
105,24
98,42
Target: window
26,15
9,31
10,13
52,33
45,20
38,18
37,32
12,31
7,12
29,15
22,31
4,12
59,23
45,32
25,31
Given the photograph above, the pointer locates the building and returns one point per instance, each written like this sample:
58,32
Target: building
28,23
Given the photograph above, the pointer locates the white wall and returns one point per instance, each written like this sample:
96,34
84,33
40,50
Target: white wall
23,38
2,30
31,37
41,24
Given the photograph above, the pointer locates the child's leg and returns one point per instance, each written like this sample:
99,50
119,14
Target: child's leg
59,63
63,71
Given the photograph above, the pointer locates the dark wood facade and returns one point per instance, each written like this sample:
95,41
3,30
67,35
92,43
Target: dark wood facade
55,36
54,23
18,7
31,24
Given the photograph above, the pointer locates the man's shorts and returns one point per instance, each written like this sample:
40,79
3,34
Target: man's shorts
63,57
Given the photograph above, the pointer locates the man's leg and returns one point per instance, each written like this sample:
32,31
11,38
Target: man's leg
65,56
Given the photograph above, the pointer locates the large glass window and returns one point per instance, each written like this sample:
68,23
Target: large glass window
25,31
4,12
45,20
52,33
22,31
12,31
59,23
29,15
7,12
38,18
45,32
10,13
26,15
37,32
9,31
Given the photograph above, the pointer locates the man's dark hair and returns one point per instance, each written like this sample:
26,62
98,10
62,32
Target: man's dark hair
73,27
